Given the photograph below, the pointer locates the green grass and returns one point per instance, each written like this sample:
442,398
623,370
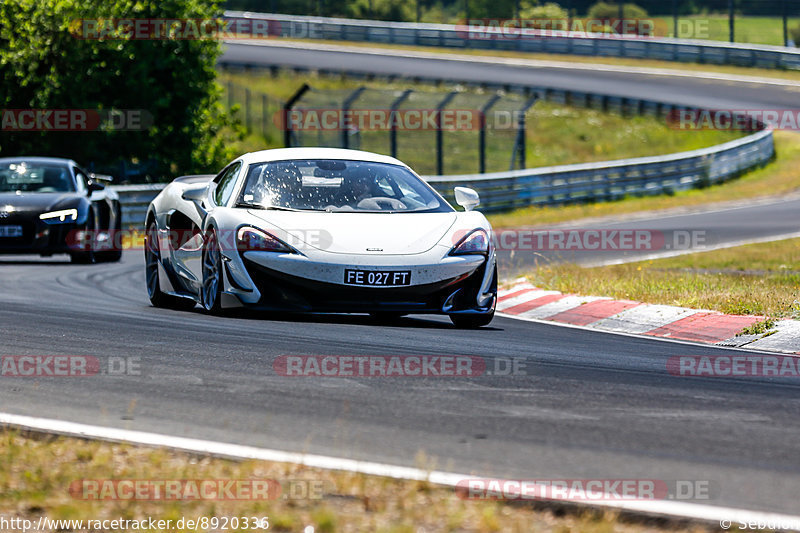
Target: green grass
748,29
778,177
38,470
754,30
757,279
556,134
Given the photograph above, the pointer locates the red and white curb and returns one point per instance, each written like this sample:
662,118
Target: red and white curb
523,300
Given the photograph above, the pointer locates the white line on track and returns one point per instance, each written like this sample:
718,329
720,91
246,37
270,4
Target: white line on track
672,508
536,63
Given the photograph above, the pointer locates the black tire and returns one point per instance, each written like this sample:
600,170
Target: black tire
211,291
87,257
152,254
114,255
477,320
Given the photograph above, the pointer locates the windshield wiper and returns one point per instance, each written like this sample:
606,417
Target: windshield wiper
266,207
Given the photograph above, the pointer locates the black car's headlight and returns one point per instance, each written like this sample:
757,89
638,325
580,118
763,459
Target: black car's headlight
62,216
475,242
250,239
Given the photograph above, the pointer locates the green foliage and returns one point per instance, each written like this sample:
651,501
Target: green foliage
46,64
604,10
548,11
380,9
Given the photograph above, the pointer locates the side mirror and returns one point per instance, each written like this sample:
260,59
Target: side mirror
467,198
93,186
195,194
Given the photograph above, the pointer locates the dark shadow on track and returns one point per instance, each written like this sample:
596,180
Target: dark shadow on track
333,318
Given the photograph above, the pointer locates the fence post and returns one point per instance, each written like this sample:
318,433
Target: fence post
247,119
287,108
346,121
519,143
731,19
393,123
439,141
785,25
264,114
482,133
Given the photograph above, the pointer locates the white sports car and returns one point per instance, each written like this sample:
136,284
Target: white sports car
320,230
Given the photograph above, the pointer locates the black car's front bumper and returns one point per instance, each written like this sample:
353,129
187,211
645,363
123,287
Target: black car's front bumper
38,237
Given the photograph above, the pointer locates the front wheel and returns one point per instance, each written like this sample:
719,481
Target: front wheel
211,291
152,255
473,321
115,241
86,255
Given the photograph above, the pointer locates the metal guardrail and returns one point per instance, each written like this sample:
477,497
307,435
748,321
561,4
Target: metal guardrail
135,199
450,36
612,180
608,180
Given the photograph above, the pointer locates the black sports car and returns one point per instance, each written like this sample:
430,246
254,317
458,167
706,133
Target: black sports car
51,206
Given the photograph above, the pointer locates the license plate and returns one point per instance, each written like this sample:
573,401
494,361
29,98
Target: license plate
373,278
10,231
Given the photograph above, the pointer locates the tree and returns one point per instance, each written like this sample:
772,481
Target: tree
46,62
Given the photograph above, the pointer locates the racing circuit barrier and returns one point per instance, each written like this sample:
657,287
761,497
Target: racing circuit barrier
612,180
587,44
565,184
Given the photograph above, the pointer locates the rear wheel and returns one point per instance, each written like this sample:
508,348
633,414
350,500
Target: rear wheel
152,255
211,292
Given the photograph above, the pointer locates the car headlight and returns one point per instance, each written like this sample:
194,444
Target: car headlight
57,217
476,242
249,239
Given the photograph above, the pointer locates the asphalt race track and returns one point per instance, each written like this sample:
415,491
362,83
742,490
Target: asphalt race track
700,92
673,232
590,405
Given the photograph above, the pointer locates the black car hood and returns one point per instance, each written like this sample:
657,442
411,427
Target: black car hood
38,201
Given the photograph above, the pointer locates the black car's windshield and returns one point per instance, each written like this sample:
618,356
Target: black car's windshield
337,185
35,177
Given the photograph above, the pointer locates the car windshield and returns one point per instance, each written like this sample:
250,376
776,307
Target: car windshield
35,177
338,186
